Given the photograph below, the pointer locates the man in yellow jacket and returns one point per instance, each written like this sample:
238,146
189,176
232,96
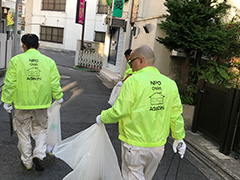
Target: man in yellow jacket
128,71
147,107
30,82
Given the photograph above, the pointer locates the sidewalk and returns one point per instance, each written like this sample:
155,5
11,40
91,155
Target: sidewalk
207,153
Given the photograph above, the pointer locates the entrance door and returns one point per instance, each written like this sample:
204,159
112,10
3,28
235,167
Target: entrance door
216,115
114,35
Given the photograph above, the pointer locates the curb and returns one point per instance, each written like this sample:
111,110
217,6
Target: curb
213,161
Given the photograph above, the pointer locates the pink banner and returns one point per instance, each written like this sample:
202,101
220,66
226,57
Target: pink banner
80,11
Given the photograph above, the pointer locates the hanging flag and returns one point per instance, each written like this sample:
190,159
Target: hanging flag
109,2
80,12
118,8
10,21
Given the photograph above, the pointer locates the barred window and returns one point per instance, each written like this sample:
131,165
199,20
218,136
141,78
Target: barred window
99,36
51,34
54,5
102,7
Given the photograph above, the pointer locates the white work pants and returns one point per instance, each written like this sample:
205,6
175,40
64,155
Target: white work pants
140,163
29,123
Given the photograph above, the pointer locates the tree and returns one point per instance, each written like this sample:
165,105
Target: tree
197,26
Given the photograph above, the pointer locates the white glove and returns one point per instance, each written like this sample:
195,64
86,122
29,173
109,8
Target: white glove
98,120
60,101
180,147
119,83
8,107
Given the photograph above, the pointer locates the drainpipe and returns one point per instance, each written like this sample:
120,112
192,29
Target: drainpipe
130,40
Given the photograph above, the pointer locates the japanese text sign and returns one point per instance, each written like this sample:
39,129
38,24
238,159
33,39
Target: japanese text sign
118,8
80,11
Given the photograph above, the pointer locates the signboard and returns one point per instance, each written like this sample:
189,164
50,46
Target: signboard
19,16
118,8
80,11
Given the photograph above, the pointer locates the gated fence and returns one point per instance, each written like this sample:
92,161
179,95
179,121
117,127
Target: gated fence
217,116
91,57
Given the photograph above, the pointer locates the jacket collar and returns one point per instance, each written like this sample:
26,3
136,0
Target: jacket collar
147,69
32,50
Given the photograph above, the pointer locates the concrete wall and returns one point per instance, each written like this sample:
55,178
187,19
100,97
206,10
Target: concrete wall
235,3
150,8
35,17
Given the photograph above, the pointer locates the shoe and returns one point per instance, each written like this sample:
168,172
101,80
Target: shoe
38,164
51,154
28,168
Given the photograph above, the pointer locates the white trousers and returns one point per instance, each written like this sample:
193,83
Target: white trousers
27,124
140,163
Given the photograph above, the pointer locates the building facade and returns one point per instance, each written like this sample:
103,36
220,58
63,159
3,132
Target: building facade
54,22
140,26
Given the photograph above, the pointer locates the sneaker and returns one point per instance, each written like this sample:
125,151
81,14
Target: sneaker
51,154
38,164
28,168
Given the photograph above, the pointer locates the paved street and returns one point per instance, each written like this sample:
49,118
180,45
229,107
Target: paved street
85,96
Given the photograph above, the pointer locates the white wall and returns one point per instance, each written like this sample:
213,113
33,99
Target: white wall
66,20
150,12
235,3
150,8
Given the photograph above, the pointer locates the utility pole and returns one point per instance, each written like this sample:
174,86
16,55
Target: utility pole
83,26
17,25
0,16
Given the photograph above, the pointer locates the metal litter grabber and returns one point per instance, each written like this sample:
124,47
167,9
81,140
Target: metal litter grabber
11,123
179,160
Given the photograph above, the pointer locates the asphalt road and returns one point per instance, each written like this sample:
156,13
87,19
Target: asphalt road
85,97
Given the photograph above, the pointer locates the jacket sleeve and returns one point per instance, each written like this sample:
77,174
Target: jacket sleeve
9,83
122,106
177,122
55,83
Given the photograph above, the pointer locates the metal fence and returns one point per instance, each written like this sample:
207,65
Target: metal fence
91,57
90,60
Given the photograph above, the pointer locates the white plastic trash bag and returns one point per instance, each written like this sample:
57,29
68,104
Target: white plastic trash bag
90,154
54,126
114,94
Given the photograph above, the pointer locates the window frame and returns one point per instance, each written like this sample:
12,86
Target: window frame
100,32
54,6
101,4
52,35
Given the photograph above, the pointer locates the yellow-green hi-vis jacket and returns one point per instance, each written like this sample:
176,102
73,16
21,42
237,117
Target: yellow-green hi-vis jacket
147,107
128,71
30,81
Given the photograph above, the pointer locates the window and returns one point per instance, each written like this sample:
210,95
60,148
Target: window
102,7
99,36
51,34
54,5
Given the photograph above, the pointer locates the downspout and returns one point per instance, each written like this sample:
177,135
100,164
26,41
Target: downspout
130,40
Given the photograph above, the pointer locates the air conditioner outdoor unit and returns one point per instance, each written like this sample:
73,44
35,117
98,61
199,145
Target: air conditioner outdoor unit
115,22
